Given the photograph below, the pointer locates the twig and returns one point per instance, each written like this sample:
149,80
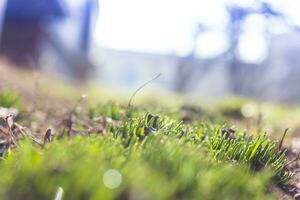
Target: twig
48,135
82,97
259,122
24,134
282,139
141,87
292,161
71,114
10,132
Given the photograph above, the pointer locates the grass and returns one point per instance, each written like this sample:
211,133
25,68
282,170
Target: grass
113,110
10,99
143,155
157,168
257,152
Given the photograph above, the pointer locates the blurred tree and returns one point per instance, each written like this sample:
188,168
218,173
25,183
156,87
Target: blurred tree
28,25
189,65
185,67
23,29
89,7
237,17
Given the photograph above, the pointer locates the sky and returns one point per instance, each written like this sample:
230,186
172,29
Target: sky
168,26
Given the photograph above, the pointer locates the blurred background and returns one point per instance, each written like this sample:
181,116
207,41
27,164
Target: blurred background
207,49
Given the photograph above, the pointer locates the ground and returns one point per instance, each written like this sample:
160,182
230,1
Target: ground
58,141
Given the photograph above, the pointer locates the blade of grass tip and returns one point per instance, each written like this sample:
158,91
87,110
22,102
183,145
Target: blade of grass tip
59,194
282,139
258,143
141,87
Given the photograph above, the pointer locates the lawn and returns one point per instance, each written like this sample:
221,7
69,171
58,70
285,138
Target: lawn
61,145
